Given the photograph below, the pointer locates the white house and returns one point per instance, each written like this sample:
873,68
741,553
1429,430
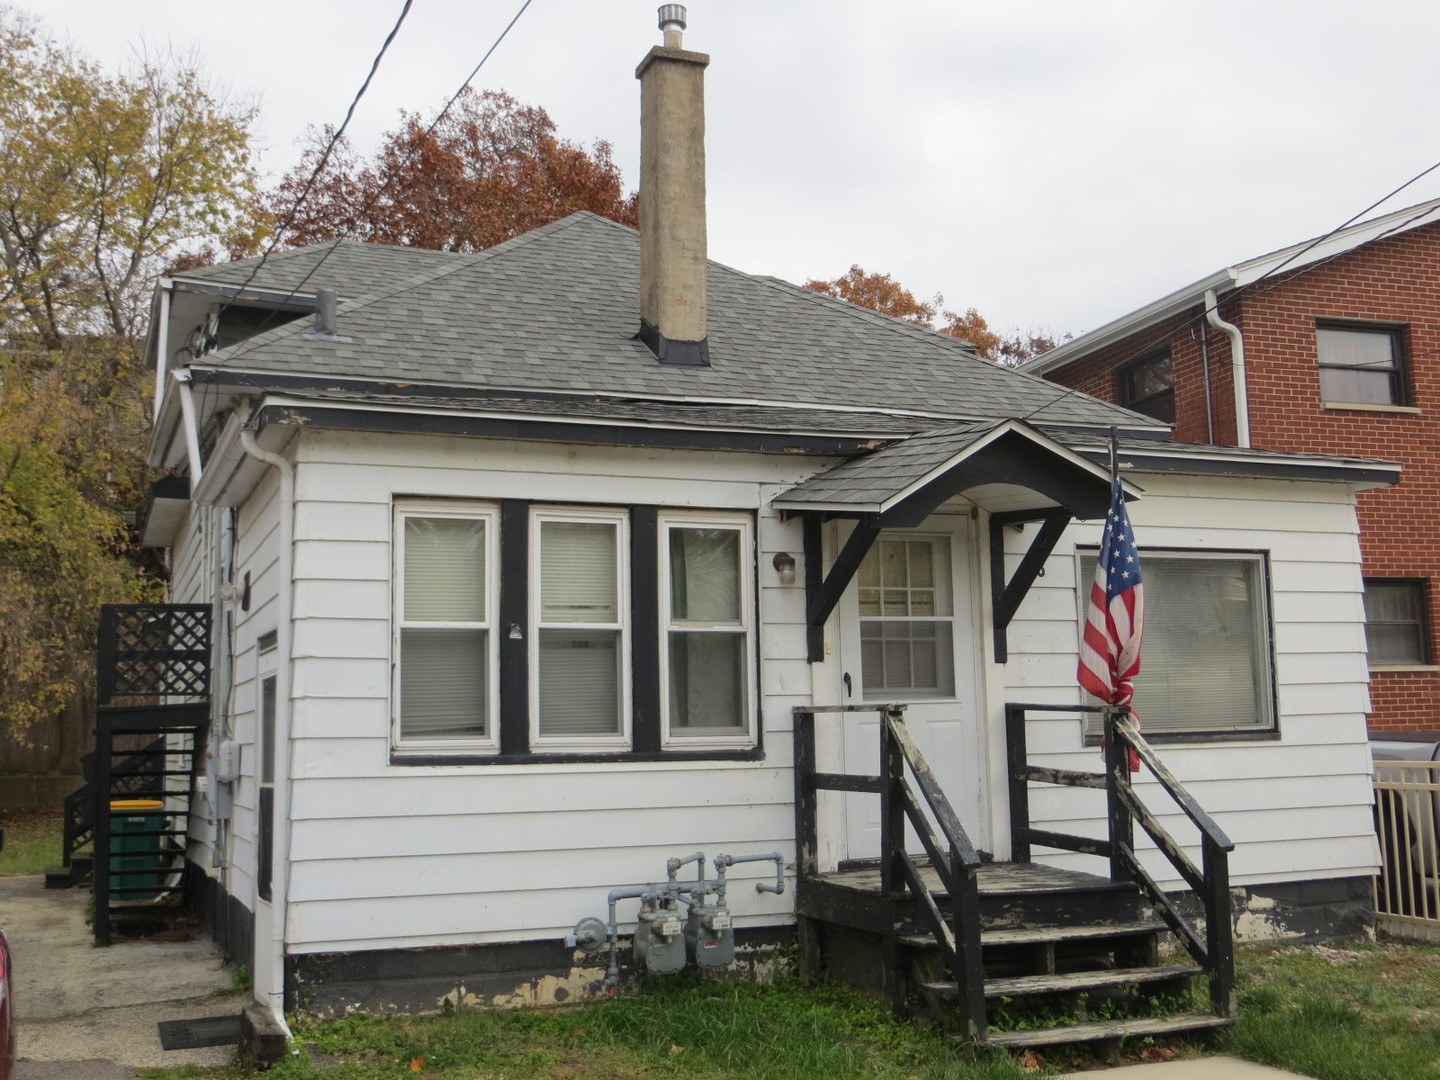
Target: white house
521,561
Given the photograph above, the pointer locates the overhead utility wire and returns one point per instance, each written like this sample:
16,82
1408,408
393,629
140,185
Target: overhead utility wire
330,145
1161,338
369,203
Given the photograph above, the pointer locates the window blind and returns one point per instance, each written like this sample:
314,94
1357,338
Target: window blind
444,570
442,684
578,577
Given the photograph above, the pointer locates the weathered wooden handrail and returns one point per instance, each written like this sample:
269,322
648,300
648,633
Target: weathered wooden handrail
952,855
1215,951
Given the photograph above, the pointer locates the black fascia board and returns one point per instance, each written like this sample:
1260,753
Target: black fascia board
544,429
1200,465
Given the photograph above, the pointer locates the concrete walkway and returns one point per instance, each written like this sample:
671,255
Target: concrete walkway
90,1014
1209,1068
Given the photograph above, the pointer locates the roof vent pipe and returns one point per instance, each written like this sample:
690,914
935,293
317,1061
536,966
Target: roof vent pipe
1237,367
326,303
672,22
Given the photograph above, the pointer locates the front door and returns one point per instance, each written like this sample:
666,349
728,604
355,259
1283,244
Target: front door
908,634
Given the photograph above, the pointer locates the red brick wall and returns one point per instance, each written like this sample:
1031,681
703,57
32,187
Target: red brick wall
1396,279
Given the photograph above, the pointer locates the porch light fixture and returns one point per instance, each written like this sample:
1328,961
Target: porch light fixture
784,564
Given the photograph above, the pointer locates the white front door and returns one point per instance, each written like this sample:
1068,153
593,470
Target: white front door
908,628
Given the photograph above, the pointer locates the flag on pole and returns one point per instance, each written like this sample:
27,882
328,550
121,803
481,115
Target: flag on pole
1115,617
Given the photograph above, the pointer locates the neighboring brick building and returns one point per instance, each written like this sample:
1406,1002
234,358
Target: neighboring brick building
1341,354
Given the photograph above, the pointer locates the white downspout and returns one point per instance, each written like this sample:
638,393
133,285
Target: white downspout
274,994
1237,367
192,428
162,349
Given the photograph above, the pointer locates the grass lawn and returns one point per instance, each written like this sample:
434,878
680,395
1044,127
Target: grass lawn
32,842
1365,1012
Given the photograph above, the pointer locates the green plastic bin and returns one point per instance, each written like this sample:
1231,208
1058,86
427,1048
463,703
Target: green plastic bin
132,852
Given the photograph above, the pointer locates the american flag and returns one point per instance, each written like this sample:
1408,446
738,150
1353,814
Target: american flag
1115,619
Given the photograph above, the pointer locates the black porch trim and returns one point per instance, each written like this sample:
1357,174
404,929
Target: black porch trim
1006,596
820,600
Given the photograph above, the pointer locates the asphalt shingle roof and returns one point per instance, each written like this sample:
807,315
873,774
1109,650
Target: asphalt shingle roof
556,310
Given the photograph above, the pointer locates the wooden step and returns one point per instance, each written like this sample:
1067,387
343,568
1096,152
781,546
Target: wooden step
1075,981
1137,1028
1046,935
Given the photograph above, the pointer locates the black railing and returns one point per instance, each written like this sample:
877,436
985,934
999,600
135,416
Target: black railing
159,651
951,854
1214,951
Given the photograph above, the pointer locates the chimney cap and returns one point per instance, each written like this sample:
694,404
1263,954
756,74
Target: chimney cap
672,13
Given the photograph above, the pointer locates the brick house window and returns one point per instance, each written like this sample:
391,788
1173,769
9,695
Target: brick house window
1360,365
1148,386
1395,626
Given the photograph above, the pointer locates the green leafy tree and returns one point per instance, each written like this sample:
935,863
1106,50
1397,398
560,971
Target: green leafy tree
105,180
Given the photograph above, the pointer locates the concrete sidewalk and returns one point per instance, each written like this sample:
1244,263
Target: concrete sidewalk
1209,1068
90,1014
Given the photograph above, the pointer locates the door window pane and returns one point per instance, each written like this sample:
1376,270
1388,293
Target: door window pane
906,622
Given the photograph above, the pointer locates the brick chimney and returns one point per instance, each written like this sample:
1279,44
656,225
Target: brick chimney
672,198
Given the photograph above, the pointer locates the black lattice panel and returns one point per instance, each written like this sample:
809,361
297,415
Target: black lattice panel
154,650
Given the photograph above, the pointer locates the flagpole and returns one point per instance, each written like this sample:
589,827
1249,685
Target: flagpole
1114,454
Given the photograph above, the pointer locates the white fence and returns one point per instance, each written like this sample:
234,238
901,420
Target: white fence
1407,815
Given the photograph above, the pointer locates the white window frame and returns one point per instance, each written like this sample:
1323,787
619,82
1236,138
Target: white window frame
620,518
1268,723
489,513
744,525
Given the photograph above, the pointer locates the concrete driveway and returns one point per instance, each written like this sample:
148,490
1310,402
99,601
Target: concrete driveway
90,1014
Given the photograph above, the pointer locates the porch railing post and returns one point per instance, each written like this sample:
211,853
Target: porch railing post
1219,931
807,825
1117,784
892,849
1018,757
965,925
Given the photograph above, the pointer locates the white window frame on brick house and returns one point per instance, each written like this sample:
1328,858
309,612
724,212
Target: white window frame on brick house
1403,636
1361,363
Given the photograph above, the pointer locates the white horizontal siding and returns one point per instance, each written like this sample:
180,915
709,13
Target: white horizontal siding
1297,805
388,854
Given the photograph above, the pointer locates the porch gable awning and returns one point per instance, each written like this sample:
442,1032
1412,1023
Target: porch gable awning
903,484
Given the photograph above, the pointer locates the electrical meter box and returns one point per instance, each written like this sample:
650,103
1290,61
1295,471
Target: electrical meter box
659,941
709,937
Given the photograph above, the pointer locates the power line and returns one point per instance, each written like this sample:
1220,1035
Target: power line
330,145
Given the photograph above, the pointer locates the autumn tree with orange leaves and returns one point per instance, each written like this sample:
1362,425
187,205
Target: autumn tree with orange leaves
882,293
490,169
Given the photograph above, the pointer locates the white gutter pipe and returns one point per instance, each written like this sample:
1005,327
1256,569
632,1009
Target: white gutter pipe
1237,367
162,348
274,994
192,428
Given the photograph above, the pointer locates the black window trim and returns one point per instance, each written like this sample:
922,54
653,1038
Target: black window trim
514,582
1123,383
1399,350
1422,585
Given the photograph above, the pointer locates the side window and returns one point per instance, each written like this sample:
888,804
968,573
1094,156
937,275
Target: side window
1395,623
1360,365
445,617
579,650
707,629
907,618
1206,663
1148,386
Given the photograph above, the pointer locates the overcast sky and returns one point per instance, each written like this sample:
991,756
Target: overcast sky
1052,163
